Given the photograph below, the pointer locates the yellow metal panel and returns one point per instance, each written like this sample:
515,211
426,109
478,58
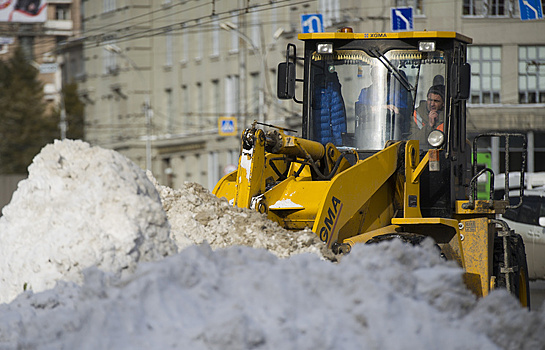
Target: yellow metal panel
400,35
226,187
478,235
411,202
417,221
349,190
293,203
375,213
251,165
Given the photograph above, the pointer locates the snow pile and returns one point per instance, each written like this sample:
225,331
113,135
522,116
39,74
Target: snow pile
387,296
237,282
81,206
197,216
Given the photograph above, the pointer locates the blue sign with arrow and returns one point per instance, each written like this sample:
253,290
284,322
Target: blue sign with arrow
312,23
530,9
402,18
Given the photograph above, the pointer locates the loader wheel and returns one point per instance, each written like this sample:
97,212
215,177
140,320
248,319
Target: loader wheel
517,271
412,238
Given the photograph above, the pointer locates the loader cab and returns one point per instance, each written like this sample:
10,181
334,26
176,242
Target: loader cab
363,90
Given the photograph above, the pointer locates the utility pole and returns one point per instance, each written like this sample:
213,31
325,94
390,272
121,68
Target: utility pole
62,124
242,68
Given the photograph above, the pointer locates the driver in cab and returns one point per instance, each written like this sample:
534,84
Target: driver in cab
429,115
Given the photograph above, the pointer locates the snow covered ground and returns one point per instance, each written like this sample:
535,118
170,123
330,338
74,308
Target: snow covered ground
94,254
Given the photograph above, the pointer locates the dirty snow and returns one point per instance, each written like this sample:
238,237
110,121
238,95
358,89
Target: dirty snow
112,260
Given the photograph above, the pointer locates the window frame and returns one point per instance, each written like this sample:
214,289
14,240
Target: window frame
481,8
417,5
481,77
538,75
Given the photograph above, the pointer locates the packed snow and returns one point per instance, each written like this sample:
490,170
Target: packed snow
95,254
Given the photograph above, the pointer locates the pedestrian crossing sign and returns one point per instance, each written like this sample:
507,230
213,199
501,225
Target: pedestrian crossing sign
227,126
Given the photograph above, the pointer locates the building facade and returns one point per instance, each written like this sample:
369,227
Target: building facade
161,74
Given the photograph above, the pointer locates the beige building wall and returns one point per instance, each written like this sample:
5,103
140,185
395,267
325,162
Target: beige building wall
176,55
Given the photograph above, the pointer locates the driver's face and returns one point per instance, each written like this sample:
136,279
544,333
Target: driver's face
435,102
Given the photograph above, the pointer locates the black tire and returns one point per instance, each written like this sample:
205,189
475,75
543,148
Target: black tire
518,279
407,237
412,238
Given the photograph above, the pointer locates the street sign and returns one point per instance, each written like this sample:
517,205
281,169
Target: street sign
47,68
530,9
6,40
402,18
227,126
312,23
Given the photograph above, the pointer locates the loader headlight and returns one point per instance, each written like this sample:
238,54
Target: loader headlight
326,48
436,138
426,46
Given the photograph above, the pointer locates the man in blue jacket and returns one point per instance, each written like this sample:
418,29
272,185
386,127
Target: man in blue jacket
329,112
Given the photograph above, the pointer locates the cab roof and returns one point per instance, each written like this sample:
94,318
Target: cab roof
398,35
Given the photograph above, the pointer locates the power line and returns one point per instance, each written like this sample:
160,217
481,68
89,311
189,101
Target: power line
183,25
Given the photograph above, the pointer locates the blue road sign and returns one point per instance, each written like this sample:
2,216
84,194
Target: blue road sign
312,23
402,18
530,9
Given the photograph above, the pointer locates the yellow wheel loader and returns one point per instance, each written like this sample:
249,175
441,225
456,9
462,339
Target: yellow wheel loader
383,154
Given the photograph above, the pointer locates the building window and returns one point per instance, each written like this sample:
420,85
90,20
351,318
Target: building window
234,36
168,47
185,45
185,107
417,5
495,7
490,8
231,95
108,5
169,110
274,18
109,60
531,74
215,37
256,30
330,10
200,106
199,44
215,98
255,104
485,74
62,12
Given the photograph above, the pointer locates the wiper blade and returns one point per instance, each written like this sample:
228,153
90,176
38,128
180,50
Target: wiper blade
392,69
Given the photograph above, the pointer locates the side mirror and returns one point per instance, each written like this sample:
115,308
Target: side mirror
541,221
286,81
464,82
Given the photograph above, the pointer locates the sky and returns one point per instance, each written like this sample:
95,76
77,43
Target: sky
95,254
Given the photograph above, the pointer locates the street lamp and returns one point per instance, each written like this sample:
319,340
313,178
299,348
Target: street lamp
229,26
146,107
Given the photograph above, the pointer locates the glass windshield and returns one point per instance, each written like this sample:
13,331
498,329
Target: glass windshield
363,101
